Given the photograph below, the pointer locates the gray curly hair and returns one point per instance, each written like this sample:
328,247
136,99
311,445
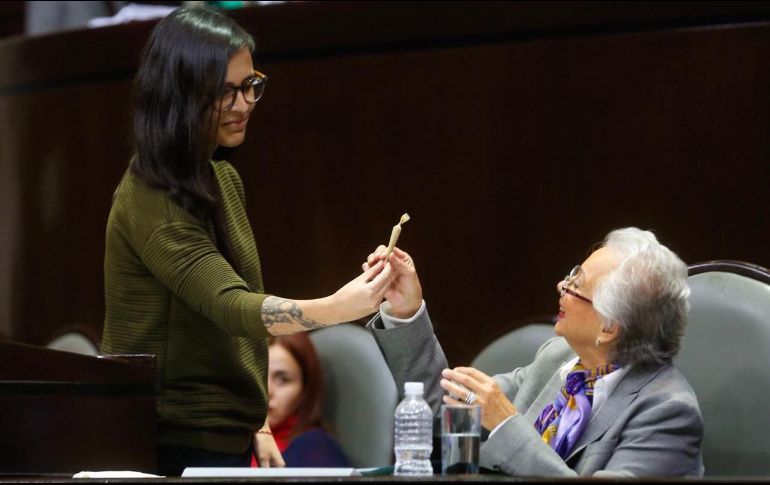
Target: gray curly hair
646,295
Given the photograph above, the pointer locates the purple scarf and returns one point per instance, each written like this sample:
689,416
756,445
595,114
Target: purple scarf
563,421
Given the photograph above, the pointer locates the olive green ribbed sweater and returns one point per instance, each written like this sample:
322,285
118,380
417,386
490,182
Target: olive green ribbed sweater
171,293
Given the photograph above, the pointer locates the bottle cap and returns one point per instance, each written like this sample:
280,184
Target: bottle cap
413,387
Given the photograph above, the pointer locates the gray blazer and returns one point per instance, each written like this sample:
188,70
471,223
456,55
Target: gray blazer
650,425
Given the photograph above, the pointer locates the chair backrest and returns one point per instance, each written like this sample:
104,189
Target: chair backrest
74,339
725,356
360,394
514,349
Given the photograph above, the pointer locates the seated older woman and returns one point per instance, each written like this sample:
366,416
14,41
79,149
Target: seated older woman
601,399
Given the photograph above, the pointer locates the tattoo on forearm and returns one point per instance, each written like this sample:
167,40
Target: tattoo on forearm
276,311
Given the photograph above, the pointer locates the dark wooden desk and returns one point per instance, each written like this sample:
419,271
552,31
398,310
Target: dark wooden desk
62,413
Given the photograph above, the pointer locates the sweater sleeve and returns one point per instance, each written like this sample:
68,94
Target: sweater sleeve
185,260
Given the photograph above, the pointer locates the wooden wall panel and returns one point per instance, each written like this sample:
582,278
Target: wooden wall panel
73,142
514,145
513,160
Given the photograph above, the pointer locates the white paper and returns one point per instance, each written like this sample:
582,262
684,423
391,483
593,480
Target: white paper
115,474
267,472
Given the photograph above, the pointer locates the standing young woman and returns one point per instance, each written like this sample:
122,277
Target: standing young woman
182,273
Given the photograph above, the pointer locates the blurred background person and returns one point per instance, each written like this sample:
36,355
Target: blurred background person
295,383
47,17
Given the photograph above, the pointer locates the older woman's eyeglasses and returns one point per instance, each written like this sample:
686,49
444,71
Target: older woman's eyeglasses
252,88
572,280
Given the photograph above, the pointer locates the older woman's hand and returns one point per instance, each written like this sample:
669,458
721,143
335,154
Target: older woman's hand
405,292
495,406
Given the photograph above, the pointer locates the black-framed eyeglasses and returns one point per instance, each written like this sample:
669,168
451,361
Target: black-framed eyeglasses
252,89
572,280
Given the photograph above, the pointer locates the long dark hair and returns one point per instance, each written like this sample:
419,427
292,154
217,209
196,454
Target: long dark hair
183,69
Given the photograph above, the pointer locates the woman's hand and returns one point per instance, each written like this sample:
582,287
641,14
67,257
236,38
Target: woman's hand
405,291
266,451
362,296
495,406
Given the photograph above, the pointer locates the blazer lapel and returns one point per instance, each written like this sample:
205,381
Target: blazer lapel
546,397
617,402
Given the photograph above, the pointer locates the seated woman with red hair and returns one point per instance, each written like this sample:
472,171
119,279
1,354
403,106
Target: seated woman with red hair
295,389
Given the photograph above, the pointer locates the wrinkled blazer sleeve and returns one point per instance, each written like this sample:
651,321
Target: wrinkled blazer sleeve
413,354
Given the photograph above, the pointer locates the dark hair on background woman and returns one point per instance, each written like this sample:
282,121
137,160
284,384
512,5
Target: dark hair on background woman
310,406
183,70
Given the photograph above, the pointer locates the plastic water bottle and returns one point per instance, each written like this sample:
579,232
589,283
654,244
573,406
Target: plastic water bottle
414,433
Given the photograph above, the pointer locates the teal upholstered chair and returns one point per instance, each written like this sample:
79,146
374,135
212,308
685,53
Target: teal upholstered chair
360,394
513,349
725,355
